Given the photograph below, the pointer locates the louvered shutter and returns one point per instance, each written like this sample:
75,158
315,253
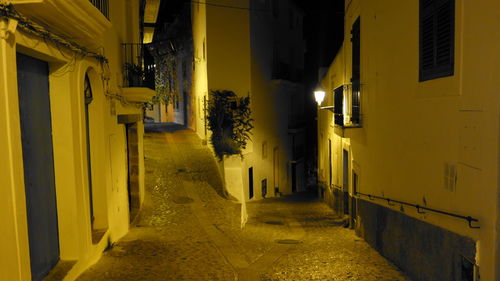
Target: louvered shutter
437,18
356,71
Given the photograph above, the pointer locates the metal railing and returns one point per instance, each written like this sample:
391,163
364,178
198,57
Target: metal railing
139,68
102,5
421,209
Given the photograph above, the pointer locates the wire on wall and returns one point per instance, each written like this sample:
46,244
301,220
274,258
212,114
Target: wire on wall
30,27
80,52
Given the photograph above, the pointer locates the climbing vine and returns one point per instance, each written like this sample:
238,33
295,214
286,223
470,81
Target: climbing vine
165,59
229,119
171,46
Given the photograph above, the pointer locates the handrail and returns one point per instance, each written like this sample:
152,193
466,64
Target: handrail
338,187
420,209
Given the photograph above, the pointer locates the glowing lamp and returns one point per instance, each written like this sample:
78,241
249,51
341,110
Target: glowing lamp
319,95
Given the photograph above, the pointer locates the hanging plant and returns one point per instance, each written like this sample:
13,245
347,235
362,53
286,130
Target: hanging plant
229,119
165,58
165,79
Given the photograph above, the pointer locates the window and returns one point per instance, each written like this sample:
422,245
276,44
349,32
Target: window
338,106
356,72
437,18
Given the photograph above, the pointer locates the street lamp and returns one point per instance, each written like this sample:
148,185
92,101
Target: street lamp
319,95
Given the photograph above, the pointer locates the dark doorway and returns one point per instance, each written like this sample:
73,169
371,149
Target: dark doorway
185,99
250,182
264,188
88,100
345,180
294,177
330,166
133,170
36,135
355,184
276,171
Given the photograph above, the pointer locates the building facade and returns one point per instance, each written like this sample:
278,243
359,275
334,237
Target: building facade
409,134
71,133
172,50
255,49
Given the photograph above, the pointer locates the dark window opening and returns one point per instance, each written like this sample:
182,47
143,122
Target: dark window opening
356,72
436,50
338,104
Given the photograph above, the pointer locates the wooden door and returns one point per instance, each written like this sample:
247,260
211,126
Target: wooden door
36,135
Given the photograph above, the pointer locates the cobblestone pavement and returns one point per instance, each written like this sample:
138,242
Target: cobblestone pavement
188,230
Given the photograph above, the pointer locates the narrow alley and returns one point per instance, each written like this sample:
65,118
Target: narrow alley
187,230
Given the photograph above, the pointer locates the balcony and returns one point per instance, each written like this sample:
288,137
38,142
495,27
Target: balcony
138,73
346,107
75,19
139,67
102,5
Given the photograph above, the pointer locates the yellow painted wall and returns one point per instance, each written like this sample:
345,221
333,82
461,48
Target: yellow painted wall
411,129
200,82
14,257
108,146
272,38
238,56
228,48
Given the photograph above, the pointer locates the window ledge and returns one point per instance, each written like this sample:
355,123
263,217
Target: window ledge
77,20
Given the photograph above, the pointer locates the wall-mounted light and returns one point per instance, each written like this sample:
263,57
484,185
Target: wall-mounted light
319,95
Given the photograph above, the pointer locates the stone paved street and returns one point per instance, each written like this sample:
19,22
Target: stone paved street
188,230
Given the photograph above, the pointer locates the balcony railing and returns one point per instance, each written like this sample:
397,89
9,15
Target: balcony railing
346,106
139,67
102,5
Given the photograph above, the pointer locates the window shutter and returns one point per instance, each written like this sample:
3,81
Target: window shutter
444,34
356,72
338,100
436,38
356,48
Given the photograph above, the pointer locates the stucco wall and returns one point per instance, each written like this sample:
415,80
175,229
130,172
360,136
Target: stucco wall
107,146
412,130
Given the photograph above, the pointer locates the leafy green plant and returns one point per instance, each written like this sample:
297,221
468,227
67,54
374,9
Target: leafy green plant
229,119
